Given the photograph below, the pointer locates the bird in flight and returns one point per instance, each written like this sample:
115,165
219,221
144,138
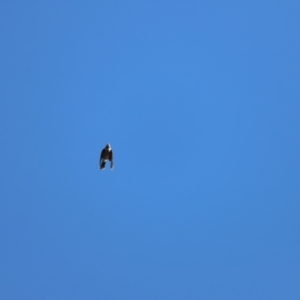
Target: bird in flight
106,154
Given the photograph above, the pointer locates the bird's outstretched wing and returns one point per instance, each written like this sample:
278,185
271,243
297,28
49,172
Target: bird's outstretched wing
111,158
101,160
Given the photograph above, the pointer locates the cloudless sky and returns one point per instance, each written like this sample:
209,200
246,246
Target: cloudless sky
200,103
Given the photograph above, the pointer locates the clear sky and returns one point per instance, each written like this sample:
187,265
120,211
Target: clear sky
200,101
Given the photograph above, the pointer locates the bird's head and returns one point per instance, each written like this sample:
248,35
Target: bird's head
108,147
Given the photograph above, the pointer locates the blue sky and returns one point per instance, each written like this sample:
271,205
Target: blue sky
200,102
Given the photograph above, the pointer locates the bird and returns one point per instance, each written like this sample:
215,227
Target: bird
106,154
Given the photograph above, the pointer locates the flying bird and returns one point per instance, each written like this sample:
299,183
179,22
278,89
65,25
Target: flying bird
106,154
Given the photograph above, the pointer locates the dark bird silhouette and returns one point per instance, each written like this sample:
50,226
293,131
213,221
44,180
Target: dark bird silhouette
106,154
